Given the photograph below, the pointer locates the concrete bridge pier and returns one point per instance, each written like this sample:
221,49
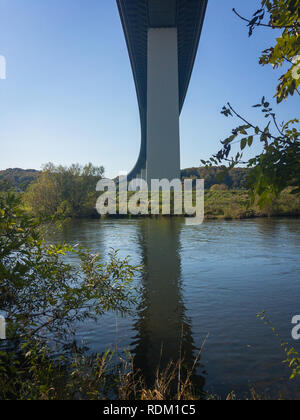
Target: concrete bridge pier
162,38
163,144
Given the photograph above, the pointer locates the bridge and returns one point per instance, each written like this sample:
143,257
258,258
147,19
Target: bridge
162,38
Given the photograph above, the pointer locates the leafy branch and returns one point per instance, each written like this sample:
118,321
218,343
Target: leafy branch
44,296
277,167
283,15
292,356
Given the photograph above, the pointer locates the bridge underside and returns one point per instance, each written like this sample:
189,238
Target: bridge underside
182,22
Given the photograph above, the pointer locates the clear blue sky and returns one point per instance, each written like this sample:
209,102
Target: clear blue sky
70,97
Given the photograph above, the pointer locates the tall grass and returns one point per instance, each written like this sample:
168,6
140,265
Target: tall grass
235,204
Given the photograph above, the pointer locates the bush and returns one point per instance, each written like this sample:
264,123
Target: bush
219,187
42,297
64,192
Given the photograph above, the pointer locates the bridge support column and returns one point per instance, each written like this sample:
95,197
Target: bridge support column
163,146
143,174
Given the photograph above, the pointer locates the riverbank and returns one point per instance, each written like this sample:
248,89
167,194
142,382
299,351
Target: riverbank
67,193
194,283
218,205
235,204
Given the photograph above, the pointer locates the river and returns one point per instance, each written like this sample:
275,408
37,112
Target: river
205,282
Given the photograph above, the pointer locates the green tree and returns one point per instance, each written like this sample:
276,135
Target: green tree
43,298
219,187
64,191
40,293
17,178
4,185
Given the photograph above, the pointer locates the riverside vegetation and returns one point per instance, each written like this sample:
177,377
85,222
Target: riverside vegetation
44,298
70,193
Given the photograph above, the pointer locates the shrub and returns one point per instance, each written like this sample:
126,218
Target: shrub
219,187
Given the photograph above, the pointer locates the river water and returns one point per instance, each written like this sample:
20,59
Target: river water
204,281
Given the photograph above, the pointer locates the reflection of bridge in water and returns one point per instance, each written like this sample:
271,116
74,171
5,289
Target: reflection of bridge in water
163,329
162,39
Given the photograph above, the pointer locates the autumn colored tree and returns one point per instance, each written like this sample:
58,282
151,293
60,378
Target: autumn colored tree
64,191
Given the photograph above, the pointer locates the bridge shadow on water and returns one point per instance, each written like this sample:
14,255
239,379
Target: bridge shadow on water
163,330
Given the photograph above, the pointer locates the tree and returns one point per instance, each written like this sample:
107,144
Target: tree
66,192
40,293
219,187
4,185
17,178
278,166
44,299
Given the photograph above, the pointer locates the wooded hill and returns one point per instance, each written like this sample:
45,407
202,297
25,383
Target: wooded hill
20,178
235,180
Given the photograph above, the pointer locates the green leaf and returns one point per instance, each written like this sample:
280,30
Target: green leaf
250,141
243,143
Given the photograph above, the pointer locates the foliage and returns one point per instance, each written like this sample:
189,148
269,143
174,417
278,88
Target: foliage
292,356
222,203
234,204
65,192
43,299
35,377
284,16
234,179
219,187
18,179
277,167
4,185
40,293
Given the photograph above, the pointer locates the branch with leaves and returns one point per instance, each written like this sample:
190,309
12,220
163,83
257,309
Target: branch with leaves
41,294
277,167
282,15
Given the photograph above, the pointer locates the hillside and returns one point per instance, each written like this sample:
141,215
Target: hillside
18,178
235,180
21,178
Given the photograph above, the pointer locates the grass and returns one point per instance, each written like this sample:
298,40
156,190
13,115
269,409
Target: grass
95,378
234,204
227,205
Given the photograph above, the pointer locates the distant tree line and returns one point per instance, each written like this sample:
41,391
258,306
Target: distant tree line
70,192
18,179
236,179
